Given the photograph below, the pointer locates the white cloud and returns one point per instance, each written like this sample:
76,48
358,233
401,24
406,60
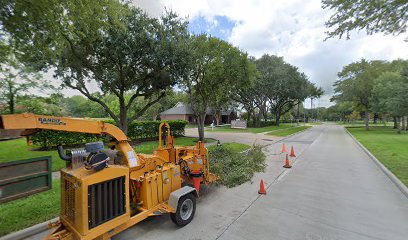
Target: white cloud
293,29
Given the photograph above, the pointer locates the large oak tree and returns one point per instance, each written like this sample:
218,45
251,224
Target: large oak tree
113,47
216,70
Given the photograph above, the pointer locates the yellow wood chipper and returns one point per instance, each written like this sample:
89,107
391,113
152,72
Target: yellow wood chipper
107,189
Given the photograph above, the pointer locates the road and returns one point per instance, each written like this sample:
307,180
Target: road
334,191
241,137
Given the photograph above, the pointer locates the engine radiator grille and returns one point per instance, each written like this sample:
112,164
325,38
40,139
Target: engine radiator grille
106,200
68,200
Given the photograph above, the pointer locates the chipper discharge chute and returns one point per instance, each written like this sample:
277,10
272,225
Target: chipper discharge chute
107,190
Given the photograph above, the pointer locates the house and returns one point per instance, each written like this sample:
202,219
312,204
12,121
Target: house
182,111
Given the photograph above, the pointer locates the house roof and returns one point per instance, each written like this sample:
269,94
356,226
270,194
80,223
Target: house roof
181,109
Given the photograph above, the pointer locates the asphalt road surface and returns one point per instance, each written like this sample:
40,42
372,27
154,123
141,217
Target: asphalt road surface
334,191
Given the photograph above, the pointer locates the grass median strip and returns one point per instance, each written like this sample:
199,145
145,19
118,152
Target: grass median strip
389,148
31,210
288,131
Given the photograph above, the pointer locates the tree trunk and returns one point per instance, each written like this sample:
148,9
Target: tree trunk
297,114
375,119
201,119
11,104
398,125
248,117
217,117
11,97
311,108
277,118
366,119
404,126
384,119
123,125
257,123
395,122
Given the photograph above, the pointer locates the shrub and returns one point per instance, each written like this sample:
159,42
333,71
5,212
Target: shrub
138,130
235,168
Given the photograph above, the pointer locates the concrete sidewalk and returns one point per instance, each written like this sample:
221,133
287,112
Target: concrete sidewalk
334,191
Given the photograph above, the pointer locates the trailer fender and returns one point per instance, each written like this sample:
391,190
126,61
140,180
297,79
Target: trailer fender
176,195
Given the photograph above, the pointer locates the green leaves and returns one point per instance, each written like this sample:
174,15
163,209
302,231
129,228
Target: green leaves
111,44
235,168
387,16
390,94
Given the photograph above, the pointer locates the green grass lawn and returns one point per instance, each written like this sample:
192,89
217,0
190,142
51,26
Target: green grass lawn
313,123
228,128
149,147
361,124
389,147
236,147
28,211
288,131
17,149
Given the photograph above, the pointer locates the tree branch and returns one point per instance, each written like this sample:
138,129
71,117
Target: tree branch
141,112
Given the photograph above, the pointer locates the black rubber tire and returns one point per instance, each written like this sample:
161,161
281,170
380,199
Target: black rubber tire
176,217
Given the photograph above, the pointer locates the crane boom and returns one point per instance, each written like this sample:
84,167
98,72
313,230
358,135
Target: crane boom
29,121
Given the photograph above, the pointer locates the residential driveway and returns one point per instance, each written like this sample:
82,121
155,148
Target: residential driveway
334,191
239,137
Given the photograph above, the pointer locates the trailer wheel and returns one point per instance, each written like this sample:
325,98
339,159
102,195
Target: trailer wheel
185,210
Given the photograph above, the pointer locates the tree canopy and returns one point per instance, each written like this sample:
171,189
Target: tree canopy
108,45
355,84
387,16
217,68
278,87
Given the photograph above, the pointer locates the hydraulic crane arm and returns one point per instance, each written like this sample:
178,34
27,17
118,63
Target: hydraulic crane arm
29,121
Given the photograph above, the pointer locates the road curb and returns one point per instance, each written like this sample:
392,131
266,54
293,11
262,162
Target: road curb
385,170
30,231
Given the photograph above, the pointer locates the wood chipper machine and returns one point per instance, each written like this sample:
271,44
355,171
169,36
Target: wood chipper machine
107,189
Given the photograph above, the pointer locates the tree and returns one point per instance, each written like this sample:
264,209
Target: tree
390,95
107,44
313,92
79,106
16,80
355,83
387,16
217,69
283,84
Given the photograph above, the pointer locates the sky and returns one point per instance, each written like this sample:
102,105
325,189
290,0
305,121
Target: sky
293,29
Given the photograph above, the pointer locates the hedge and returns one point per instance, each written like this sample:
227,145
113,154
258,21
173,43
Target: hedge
137,131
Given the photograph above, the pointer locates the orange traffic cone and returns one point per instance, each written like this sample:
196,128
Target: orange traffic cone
292,152
287,164
283,148
262,188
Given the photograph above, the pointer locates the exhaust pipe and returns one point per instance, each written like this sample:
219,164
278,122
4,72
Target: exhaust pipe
62,155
